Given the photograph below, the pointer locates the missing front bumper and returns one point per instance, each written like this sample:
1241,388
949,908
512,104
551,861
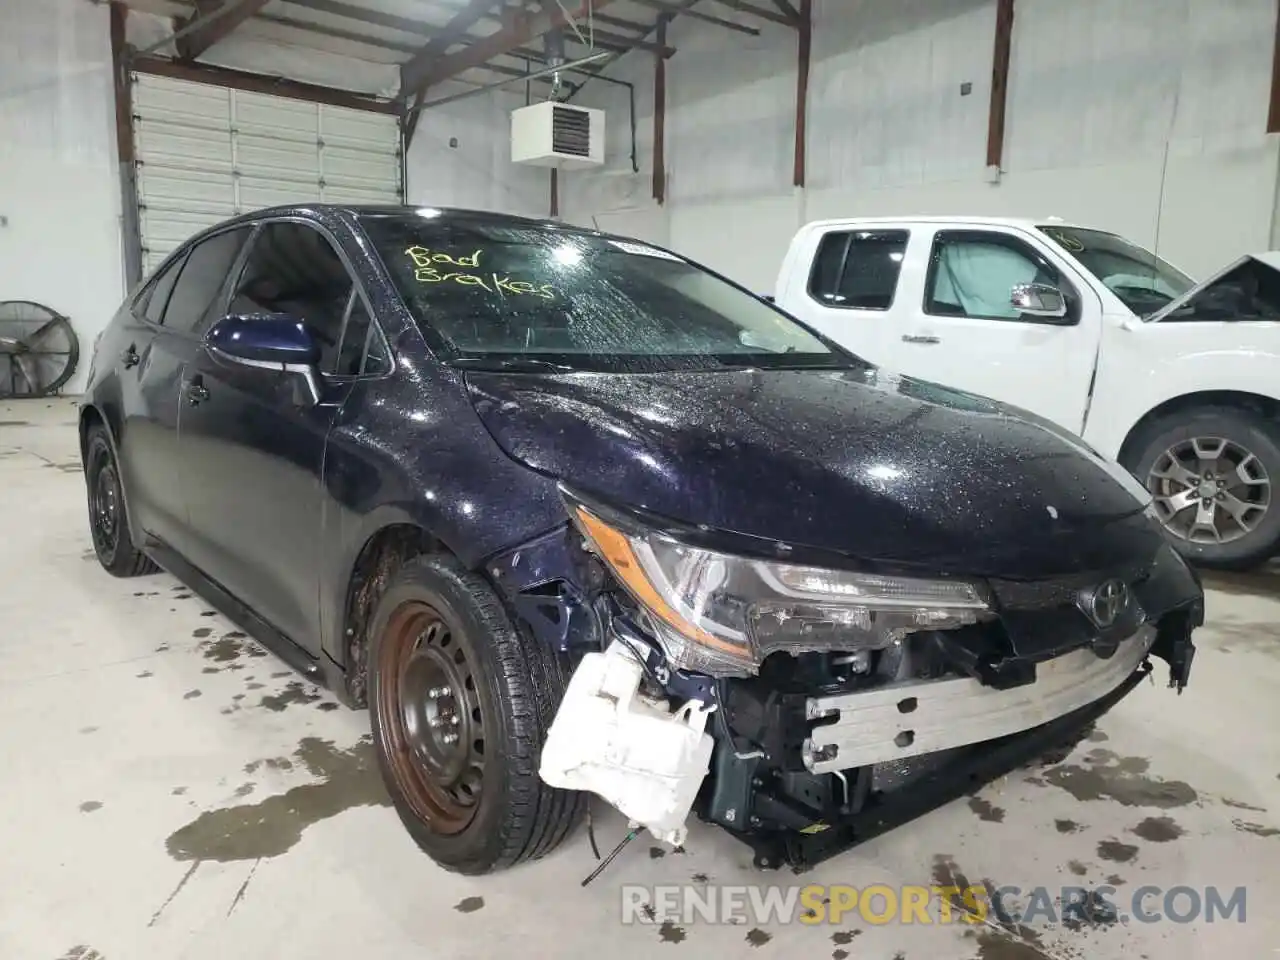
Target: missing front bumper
925,716
968,770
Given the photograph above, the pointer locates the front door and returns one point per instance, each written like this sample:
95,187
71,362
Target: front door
253,450
960,329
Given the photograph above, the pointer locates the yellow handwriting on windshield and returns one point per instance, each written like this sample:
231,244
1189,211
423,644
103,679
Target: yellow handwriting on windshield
435,267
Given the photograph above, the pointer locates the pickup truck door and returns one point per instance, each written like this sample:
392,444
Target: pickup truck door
955,324
850,288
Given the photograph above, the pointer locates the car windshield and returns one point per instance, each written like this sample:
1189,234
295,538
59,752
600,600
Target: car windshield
524,296
1143,281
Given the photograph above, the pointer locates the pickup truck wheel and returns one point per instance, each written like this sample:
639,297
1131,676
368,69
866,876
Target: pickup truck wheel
1211,472
108,518
460,703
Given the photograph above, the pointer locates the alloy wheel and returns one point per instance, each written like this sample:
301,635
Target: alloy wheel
429,716
1209,490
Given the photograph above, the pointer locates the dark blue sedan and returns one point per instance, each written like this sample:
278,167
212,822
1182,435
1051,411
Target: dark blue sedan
573,515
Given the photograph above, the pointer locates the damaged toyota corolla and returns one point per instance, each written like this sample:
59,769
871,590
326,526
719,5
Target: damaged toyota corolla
574,515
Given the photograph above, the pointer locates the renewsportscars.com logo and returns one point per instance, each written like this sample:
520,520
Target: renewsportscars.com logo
881,904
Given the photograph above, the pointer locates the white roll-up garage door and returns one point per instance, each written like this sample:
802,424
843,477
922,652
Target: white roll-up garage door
207,152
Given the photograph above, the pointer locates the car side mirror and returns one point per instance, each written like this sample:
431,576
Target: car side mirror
276,342
1039,300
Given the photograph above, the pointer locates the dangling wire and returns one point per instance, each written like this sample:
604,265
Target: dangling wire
573,24
591,829
631,835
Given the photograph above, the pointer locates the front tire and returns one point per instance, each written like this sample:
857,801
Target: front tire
460,703
1212,472
108,517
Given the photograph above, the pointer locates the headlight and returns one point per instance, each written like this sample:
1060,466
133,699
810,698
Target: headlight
722,615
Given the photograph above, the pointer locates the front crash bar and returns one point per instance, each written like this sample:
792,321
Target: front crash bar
977,766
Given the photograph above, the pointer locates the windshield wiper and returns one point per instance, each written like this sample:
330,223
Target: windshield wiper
511,363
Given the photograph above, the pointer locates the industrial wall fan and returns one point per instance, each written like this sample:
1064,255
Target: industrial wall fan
38,349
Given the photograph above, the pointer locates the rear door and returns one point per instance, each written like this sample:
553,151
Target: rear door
252,455
959,329
174,311
851,293
148,405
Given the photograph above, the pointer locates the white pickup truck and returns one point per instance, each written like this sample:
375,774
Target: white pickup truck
1178,381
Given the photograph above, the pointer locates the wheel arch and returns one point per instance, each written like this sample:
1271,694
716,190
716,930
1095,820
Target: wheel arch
91,416
382,551
1187,402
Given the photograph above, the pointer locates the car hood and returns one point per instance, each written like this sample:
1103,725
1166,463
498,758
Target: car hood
1269,259
866,464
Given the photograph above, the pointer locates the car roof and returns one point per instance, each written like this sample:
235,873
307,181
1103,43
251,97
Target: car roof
320,210
1029,223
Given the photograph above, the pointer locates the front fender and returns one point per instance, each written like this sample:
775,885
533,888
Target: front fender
1144,367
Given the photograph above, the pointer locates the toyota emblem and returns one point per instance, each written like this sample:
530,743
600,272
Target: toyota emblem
1107,602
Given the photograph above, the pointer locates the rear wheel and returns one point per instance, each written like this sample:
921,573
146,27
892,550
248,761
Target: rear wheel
108,518
461,702
1211,473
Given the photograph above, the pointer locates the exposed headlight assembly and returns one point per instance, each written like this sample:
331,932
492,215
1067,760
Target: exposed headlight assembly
722,615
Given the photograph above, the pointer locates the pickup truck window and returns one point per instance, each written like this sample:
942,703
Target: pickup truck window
1142,281
972,274
858,270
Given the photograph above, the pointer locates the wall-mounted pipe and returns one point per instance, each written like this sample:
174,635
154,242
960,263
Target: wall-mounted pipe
660,119
631,108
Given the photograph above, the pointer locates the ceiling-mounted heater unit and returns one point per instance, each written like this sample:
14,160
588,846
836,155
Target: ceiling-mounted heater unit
561,135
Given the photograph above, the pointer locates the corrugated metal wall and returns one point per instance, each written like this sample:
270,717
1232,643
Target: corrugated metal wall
1145,116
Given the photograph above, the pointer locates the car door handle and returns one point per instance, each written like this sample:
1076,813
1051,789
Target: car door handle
130,357
197,393
919,338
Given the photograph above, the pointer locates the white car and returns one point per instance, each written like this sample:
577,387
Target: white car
1178,381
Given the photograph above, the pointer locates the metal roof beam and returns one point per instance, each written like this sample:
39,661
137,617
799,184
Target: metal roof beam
762,12
455,31
664,7
393,22
214,22
788,10
503,41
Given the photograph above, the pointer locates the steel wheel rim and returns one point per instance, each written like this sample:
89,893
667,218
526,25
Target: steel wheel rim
104,505
429,717
1209,490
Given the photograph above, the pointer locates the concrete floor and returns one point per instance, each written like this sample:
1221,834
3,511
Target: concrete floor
171,791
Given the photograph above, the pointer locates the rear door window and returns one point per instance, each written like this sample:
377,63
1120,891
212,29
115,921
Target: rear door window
157,298
859,269
202,278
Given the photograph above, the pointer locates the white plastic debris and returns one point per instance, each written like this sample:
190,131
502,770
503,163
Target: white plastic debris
610,740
